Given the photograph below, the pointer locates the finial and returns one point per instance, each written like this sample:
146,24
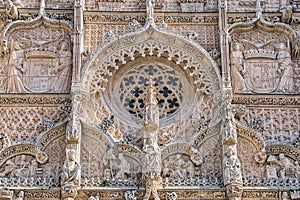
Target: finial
258,9
150,4
42,8
150,98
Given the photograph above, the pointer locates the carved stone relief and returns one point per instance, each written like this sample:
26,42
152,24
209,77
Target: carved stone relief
56,151
280,125
37,60
261,62
22,123
250,5
252,159
95,160
281,167
22,166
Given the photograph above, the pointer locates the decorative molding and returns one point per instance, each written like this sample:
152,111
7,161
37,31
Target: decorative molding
290,151
251,135
34,100
276,100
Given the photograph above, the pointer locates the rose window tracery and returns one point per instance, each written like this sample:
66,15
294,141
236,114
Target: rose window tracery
169,87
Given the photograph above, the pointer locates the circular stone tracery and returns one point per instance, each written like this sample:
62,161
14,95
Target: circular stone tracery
168,84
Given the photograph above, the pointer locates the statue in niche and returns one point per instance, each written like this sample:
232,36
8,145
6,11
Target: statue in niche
151,160
285,70
232,165
150,4
229,131
237,68
62,71
16,67
71,169
152,155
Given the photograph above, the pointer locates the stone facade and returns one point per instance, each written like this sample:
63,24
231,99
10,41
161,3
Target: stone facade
150,99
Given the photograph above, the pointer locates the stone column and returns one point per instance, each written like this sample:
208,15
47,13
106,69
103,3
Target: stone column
231,165
224,43
152,155
78,40
71,170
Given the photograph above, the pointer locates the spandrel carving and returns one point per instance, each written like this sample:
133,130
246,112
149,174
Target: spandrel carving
252,161
57,156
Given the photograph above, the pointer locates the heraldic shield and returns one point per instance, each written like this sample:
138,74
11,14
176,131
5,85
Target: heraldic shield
261,76
39,75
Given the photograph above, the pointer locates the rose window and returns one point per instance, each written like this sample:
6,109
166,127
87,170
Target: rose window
167,82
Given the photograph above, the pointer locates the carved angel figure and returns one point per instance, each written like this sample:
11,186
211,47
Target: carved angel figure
16,67
63,69
71,168
237,69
